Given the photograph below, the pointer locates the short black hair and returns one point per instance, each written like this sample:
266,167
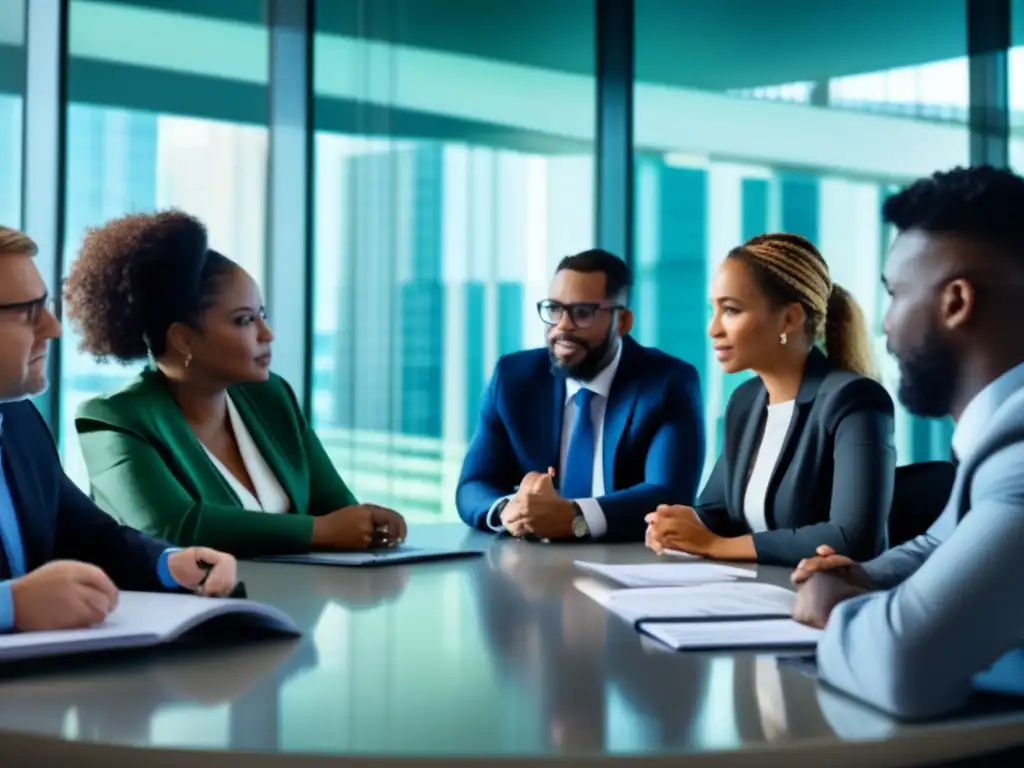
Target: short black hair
618,278
136,276
981,202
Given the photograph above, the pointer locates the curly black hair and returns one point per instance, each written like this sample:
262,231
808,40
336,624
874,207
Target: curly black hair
136,276
981,202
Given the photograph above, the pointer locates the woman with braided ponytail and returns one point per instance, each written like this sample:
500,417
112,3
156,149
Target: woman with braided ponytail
808,459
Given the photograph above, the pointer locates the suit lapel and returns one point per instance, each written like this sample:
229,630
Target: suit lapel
267,447
175,432
552,437
814,373
621,399
749,438
28,509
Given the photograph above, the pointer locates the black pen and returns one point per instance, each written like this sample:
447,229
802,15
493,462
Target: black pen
206,567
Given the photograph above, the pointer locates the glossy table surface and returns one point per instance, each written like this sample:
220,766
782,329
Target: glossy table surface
495,656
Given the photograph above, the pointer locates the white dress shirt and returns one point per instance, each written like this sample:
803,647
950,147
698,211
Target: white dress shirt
601,386
776,426
270,496
951,602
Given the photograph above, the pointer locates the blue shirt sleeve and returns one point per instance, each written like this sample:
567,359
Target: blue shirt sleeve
163,570
6,607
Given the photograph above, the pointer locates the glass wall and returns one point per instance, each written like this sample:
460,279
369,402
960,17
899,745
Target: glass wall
12,97
149,127
1015,81
453,165
750,120
454,168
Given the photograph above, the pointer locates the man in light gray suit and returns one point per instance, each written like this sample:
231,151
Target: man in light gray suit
914,630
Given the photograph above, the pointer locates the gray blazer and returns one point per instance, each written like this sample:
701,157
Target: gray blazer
951,601
833,483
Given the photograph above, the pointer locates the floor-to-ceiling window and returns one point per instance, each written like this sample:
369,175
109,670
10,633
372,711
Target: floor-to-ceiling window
454,167
166,108
1015,85
12,96
754,117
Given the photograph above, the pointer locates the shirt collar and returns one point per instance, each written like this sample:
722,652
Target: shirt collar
600,384
970,429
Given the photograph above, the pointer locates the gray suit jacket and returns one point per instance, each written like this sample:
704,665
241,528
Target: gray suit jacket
951,601
833,482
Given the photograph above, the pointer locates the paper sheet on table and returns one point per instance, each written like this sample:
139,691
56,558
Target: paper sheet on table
143,619
665,574
729,635
703,602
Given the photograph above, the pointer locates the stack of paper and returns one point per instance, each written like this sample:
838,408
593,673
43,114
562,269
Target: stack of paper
143,619
728,635
700,606
665,574
705,602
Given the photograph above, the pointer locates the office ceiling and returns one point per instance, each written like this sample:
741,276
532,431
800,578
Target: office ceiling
708,44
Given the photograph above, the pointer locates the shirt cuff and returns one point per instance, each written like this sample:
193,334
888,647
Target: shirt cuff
493,518
6,607
597,523
163,570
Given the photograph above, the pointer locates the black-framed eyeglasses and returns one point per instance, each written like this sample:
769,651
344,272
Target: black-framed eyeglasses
30,310
581,315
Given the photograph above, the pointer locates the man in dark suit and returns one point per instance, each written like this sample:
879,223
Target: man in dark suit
582,439
63,559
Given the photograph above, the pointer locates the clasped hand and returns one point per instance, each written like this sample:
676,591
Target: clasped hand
538,509
359,526
678,527
68,594
824,581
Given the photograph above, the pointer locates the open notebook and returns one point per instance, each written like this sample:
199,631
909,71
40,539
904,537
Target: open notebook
402,554
665,574
144,619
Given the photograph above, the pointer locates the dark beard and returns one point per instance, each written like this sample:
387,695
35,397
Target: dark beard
592,363
928,377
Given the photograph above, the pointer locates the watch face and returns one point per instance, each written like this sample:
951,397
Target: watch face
579,527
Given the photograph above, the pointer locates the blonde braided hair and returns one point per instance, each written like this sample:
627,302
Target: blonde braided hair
788,268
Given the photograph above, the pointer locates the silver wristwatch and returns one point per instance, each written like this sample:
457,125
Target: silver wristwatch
580,529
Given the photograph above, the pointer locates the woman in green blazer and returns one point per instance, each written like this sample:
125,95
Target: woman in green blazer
206,446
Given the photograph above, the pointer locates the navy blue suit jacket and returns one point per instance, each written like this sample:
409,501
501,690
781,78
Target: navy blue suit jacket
57,520
653,436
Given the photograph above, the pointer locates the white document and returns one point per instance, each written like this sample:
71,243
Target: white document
730,635
665,574
702,602
143,619
401,554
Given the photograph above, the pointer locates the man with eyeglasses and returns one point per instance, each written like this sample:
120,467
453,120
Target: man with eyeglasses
62,558
582,439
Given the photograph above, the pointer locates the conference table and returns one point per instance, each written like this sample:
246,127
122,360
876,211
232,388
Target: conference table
500,656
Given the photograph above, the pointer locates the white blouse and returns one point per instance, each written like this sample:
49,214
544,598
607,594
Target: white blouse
775,428
270,496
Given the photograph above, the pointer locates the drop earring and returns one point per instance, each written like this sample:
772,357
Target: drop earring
783,338
188,358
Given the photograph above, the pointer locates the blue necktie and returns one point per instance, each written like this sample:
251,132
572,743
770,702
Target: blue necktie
578,480
9,529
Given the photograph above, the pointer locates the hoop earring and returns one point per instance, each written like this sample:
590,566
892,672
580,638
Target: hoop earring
783,338
188,359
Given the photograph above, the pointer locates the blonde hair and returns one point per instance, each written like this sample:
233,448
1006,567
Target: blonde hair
788,268
15,241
